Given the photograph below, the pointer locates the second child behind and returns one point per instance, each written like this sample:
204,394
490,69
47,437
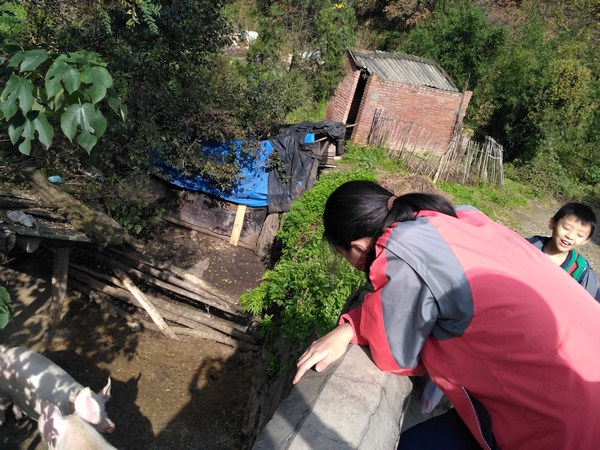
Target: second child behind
572,226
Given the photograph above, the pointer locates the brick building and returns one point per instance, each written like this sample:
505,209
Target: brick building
399,96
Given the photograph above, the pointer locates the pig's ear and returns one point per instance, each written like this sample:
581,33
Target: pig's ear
105,393
86,407
50,422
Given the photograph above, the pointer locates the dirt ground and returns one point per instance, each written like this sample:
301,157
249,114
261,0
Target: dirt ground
185,394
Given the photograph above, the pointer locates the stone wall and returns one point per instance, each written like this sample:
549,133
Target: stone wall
351,405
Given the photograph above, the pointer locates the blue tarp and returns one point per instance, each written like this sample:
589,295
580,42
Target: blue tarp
252,186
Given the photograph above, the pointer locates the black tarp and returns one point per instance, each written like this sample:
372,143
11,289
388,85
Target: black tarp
300,161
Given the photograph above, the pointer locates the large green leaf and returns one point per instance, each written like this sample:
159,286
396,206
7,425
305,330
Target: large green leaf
98,123
44,129
59,72
33,58
85,116
25,127
16,59
116,104
15,128
70,120
6,309
27,134
20,89
87,141
83,57
54,77
100,81
8,109
72,79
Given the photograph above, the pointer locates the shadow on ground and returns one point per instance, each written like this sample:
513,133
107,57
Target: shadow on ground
187,394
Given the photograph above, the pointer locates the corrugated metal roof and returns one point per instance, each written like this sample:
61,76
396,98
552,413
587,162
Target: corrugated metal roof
402,68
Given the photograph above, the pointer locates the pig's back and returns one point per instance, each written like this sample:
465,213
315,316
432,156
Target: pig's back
28,378
80,435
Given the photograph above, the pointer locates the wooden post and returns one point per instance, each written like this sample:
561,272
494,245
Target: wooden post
60,275
237,225
7,240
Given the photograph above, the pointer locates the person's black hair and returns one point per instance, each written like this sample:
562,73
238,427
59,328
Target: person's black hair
581,212
359,209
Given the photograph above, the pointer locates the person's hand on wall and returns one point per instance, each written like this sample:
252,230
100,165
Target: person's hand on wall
325,350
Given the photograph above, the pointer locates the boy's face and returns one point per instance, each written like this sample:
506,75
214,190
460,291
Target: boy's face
569,233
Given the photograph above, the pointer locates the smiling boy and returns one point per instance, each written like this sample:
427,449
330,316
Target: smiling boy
572,226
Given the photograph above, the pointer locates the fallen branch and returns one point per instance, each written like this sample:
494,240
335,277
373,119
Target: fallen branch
146,304
183,288
94,224
164,307
134,322
169,272
241,345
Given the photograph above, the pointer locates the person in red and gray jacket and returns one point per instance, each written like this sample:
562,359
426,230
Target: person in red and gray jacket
470,302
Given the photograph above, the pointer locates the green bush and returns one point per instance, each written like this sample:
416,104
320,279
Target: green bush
372,159
309,285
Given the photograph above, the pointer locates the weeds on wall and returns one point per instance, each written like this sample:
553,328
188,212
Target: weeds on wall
304,293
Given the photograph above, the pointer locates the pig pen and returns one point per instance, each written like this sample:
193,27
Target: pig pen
189,393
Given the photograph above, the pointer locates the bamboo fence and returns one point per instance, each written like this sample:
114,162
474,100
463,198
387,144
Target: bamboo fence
463,160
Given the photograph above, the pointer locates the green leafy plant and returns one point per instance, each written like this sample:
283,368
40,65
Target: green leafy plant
42,86
135,217
6,309
371,158
309,285
148,10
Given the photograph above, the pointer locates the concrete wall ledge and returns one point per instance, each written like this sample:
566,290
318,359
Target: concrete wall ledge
352,405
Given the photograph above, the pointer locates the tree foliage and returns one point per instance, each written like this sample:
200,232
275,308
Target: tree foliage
532,67
460,38
12,22
314,34
70,90
534,81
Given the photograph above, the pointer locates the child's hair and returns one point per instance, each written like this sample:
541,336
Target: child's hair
581,212
359,209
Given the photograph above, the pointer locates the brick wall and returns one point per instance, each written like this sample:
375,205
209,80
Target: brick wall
339,105
431,110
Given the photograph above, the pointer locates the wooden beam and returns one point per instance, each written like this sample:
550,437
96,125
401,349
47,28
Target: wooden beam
146,304
237,225
175,313
206,231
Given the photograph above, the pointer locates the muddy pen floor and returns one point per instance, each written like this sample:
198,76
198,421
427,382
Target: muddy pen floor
189,393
